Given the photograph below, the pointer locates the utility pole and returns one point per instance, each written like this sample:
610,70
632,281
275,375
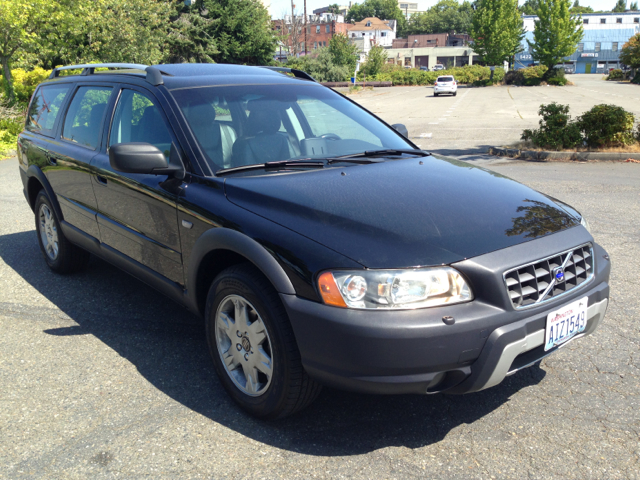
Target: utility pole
294,34
305,28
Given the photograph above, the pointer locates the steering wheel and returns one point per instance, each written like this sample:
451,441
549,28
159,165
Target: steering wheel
330,136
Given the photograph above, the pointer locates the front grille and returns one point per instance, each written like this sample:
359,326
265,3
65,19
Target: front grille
528,285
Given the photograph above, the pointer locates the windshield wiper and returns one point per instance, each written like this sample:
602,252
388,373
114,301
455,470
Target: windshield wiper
273,166
378,153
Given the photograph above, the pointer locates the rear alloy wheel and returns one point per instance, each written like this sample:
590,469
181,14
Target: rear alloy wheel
61,255
253,347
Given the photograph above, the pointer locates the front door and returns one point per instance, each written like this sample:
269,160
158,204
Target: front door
588,68
136,212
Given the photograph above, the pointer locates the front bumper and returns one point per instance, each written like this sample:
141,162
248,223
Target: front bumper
413,351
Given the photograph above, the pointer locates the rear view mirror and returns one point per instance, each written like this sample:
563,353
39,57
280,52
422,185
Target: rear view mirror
137,157
401,129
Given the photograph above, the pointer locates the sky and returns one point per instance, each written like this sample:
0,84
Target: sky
278,7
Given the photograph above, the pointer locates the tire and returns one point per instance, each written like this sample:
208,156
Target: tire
455,93
61,255
259,364
435,94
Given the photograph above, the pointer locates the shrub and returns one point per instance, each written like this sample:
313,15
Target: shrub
607,126
615,74
321,67
556,131
562,81
25,83
514,77
412,76
9,130
534,75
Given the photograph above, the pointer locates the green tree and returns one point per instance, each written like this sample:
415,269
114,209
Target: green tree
78,31
188,40
633,6
241,30
444,17
382,9
556,33
497,30
530,7
630,52
621,6
376,58
19,23
343,53
333,8
577,9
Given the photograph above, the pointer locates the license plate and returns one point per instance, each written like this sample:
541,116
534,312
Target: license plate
565,323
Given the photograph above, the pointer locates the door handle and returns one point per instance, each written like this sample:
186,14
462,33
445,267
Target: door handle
52,160
101,180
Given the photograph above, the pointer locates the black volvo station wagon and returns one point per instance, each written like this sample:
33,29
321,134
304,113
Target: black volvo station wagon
318,243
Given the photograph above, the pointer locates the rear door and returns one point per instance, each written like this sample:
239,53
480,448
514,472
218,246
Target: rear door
137,213
79,141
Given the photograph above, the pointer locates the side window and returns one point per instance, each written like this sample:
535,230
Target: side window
138,119
83,122
45,107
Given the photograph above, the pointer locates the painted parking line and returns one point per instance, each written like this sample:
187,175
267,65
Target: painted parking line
426,135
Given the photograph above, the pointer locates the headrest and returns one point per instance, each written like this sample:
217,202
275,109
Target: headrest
264,117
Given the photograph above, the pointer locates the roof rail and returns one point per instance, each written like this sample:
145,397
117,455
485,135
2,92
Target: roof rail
154,75
296,73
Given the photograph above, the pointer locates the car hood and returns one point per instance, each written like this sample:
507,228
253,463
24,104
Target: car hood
403,213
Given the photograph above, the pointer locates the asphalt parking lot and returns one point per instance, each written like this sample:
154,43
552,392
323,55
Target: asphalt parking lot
102,377
478,118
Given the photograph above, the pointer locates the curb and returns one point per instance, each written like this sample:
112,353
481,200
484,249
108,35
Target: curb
541,156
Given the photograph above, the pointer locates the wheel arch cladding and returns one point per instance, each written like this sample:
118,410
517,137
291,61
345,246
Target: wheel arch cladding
38,181
220,248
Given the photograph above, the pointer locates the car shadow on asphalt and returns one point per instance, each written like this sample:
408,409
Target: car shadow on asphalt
167,346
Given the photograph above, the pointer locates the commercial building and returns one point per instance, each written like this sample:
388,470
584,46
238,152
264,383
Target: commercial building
429,57
599,50
408,8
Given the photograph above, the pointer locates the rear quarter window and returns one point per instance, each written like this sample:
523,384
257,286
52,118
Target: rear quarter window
45,108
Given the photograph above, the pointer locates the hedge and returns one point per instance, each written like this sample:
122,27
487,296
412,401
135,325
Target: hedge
468,74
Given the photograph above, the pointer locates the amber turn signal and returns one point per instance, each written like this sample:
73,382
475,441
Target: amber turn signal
329,290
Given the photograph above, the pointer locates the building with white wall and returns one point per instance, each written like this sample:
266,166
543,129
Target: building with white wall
372,31
599,50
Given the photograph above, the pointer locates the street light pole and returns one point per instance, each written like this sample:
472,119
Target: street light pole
305,28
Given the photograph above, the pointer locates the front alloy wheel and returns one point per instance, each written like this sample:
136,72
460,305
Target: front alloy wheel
253,346
244,345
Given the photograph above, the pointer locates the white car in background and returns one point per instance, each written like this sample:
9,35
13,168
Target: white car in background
445,84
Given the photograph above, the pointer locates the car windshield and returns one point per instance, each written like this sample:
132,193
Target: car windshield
253,124
445,79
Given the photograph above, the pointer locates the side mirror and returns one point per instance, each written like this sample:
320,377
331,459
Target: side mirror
137,157
401,129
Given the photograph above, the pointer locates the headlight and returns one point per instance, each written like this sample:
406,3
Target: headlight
393,289
585,224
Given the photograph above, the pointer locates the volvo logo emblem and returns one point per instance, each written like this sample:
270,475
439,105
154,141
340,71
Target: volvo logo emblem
558,273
